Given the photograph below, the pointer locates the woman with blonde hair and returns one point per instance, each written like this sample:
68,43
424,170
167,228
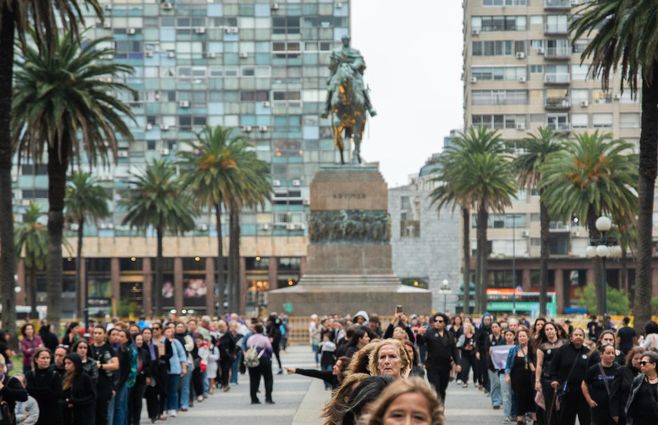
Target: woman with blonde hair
390,358
407,401
361,359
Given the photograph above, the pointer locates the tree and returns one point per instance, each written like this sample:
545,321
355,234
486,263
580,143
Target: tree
538,148
62,92
624,43
16,16
618,302
592,175
157,200
481,176
85,200
32,243
222,171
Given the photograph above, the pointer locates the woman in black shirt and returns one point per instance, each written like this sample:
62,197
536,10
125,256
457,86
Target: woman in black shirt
549,342
45,385
642,405
467,349
600,388
627,373
567,371
79,392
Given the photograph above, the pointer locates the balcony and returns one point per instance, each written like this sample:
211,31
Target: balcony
556,29
561,53
561,127
557,104
557,79
557,4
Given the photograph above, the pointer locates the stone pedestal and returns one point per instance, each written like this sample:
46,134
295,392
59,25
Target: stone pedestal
349,265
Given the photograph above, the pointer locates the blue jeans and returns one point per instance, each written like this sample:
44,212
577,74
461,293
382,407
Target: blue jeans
327,368
185,389
172,391
110,411
316,350
206,384
494,382
506,392
120,406
235,368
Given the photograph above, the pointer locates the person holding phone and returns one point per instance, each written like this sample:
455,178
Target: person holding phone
399,321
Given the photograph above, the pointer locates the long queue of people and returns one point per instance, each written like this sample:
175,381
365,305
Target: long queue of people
103,375
546,373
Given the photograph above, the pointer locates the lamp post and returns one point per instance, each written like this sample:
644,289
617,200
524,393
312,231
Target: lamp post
445,290
603,248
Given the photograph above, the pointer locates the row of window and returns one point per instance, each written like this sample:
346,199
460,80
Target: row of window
130,48
552,23
557,121
553,97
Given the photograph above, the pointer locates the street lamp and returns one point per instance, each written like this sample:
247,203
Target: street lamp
603,248
445,290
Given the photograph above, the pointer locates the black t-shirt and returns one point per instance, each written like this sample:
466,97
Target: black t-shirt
104,355
626,335
594,329
596,380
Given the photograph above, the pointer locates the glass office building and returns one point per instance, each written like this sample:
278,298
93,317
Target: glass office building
257,66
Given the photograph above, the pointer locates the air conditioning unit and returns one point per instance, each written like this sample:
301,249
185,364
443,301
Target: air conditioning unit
211,55
167,5
276,183
296,182
244,55
475,32
149,126
300,226
231,30
520,126
171,54
584,104
265,226
122,154
339,5
149,54
184,104
130,31
164,151
522,79
306,202
520,55
263,128
203,227
290,226
200,30
165,127
275,6
247,128
474,80
107,25
540,51
525,234
108,7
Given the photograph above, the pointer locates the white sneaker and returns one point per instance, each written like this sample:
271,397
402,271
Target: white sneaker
172,413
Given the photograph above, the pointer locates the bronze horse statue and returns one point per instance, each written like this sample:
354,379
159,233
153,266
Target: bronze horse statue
348,110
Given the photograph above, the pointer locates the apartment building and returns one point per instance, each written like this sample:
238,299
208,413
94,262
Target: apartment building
521,71
256,65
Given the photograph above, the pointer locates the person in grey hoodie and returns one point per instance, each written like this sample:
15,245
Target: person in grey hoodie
26,412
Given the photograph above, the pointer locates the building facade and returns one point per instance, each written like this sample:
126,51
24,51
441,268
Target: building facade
521,72
425,242
254,65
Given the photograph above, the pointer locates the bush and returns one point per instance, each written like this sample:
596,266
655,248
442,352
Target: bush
654,305
618,302
127,309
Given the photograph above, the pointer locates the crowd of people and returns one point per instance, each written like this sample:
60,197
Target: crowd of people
547,372
103,375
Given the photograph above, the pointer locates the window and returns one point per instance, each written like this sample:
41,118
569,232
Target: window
286,49
254,96
499,73
498,48
500,97
558,122
629,120
579,120
499,121
602,120
283,96
285,24
579,72
498,23
580,45
536,69
188,122
504,2
557,24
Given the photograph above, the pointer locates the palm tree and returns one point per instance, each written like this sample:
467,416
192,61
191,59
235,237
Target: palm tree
538,148
625,40
60,95
85,200
157,200
32,243
480,176
16,16
592,175
222,171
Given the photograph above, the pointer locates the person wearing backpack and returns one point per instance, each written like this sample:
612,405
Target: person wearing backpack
258,359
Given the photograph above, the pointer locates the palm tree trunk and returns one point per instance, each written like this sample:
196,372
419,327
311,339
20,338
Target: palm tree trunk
7,258
234,258
544,252
78,271
157,286
483,254
221,283
597,264
466,268
57,167
32,292
231,263
623,285
647,181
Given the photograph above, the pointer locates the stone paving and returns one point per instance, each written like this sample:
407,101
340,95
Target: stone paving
299,400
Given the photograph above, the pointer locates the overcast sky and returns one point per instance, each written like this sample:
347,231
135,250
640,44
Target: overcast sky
412,50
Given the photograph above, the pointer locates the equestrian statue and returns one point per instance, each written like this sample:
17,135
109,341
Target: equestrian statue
347,98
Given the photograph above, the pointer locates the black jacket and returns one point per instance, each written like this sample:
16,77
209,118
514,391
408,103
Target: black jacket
45,385
80,397
11,392
569,364
326,376
441,349
227,348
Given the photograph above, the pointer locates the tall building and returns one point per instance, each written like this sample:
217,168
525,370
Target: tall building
521,72
254,65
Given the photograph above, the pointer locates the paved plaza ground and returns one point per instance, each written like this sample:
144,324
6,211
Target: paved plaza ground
299,400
